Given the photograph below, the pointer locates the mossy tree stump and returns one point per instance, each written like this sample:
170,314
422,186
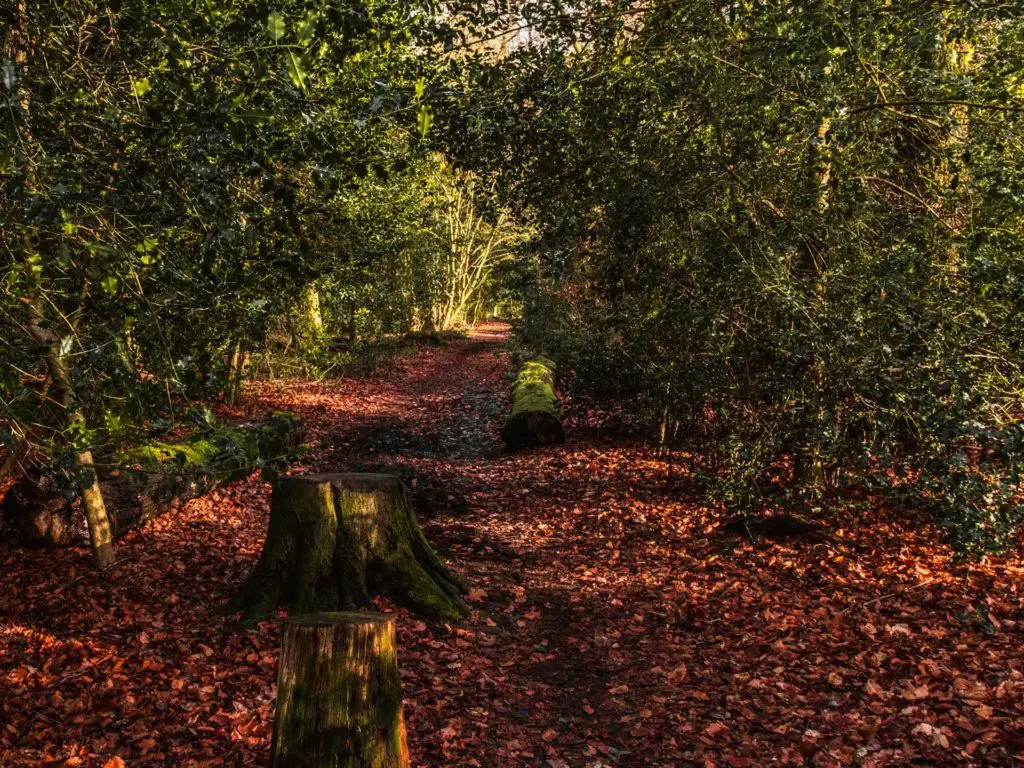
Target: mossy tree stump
339,695
536,416
337,540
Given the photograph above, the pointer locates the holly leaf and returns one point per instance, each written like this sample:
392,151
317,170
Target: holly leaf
305,29
425,120
276,26
296,71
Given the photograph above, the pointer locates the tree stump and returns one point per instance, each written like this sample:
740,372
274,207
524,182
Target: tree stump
535,419
339,695
337,540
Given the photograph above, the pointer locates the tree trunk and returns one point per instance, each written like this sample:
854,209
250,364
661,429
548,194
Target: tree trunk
100,535
353,334
19,47
336,540
237,364
535,419
313,315
339,695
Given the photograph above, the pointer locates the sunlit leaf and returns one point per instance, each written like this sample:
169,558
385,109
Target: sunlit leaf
296,71
306,28
425,120
276,26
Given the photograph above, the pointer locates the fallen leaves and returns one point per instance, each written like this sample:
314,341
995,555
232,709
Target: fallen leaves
678,674
716,729
613,623
937,737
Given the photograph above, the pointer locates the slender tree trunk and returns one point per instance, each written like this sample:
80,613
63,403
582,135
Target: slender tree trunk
313,314
958,57
236,371
100,534
19,46
101,537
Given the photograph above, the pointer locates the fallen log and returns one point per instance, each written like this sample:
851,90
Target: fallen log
536,417
337,540
339,694
142,482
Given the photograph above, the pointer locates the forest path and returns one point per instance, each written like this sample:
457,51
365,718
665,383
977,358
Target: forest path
614,622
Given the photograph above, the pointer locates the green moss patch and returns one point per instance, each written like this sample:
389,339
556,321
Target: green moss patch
536,416
534,388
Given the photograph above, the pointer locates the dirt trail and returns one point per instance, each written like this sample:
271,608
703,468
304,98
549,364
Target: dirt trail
614,623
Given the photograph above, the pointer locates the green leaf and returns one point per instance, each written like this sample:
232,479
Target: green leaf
421,87
109,284
276,26
34,264
296,71
306,28
425,120
141,87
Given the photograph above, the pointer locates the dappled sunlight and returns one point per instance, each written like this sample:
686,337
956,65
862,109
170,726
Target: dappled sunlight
615,612
654,368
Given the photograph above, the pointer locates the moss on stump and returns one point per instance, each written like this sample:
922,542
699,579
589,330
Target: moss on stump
339,695
536,417
337,540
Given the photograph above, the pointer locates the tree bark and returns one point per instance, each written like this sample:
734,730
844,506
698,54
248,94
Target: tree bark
313,314
237,365
339,694
100,535
336,540
535,419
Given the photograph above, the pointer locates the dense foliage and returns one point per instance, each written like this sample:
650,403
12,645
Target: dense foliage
788,233
183,180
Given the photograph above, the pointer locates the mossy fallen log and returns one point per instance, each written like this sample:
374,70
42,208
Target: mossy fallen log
337,540
536,417
144,481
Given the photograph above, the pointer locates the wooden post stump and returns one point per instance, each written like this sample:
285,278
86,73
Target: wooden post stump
339,695
337,540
